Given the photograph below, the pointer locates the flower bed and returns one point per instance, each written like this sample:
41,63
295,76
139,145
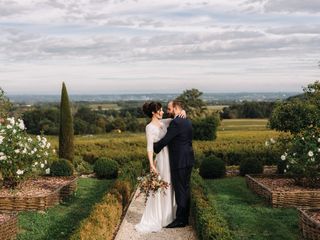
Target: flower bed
309,221
8,226
37,194
281,192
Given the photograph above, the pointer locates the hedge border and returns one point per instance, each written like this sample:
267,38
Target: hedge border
209,223
106,216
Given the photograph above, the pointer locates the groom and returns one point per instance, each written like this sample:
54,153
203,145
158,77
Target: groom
179,141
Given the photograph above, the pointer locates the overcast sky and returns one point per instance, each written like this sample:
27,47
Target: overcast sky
145,46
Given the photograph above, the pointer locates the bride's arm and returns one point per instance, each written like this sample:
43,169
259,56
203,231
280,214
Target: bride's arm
150,140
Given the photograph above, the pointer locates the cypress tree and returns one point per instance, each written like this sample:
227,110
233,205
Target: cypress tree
66,138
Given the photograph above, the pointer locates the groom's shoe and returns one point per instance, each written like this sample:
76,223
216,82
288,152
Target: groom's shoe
176,224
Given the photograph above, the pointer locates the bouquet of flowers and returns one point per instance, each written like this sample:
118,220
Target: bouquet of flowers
151,184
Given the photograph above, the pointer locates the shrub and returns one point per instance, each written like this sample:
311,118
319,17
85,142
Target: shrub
205,128
82,167
106,168
21,155
62,167
90,157
250,166
212,167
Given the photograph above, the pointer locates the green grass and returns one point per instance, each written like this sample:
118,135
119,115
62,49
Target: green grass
60,221
244,125
248,216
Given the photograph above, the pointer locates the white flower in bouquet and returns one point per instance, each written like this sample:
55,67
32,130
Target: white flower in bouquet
19,172
283,157
1,139
272,140
42,165
48,171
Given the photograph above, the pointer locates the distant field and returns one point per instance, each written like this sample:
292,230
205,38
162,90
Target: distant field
216,107
244,125
104,106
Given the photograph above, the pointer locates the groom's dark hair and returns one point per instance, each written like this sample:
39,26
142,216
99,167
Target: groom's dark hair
177,103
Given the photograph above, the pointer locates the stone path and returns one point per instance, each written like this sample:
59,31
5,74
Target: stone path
133,216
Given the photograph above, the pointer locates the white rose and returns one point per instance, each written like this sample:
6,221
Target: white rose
283,157
48,171
42,165
17,151
310,154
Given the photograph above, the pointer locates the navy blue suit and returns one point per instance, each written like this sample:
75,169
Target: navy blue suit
179,141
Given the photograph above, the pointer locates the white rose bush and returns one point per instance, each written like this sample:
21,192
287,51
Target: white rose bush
21,155
303,158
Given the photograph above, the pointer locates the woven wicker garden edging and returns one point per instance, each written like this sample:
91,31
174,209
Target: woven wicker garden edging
38,203
8,228
278,198
309,227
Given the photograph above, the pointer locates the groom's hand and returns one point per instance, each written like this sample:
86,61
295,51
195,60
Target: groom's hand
156,147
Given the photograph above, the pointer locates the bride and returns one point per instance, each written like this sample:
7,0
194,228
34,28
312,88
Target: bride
160,209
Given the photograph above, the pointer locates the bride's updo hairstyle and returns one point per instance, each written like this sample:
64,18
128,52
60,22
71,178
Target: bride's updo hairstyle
149,107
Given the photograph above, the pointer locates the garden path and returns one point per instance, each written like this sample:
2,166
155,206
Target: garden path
133,216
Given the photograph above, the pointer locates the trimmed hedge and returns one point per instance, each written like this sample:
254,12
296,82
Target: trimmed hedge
61,167
212,167
106,215
106,168
208,222
250,166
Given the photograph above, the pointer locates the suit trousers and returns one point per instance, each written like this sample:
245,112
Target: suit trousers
181,184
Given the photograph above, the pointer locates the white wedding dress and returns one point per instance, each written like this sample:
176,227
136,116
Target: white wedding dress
160,209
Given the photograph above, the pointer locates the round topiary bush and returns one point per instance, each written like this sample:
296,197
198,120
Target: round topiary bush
106,168
61,167
250,166
212,167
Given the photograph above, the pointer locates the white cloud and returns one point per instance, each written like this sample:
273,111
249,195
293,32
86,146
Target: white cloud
119,44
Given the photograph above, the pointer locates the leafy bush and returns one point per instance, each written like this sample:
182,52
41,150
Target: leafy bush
62,167
250,166
21,155
302,158
82,167
212,167
106,168
205,128
90,158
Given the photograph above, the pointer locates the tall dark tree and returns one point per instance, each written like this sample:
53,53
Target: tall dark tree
66,134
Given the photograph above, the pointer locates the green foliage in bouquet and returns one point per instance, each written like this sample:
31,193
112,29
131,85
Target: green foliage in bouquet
106,168
62,167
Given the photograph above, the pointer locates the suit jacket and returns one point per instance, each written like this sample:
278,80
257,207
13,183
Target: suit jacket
179,141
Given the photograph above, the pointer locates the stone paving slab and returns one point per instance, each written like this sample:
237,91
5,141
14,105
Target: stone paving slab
133,216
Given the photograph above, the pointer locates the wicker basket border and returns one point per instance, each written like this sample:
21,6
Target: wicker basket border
309,228
303,199
9,228
38,203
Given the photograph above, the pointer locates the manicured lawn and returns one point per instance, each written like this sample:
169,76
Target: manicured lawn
59,222
248,216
